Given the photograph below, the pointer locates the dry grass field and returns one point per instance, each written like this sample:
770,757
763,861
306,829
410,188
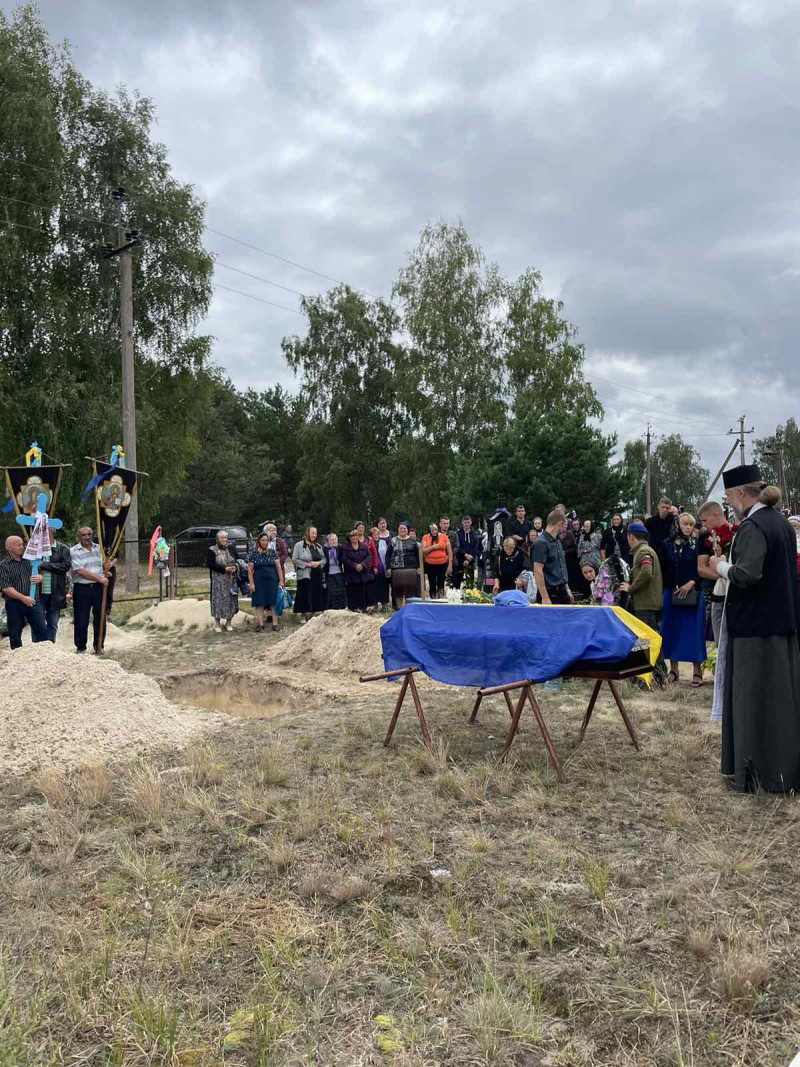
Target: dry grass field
267,898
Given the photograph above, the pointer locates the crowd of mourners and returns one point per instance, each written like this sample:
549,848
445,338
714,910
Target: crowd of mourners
657,567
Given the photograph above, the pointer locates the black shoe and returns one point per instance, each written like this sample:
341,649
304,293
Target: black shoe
78,651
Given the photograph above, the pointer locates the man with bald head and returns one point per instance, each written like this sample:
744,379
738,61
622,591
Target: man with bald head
15,582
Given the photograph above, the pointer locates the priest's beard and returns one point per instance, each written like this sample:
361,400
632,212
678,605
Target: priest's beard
740,505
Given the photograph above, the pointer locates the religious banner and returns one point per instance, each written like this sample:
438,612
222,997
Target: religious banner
114,489
25,485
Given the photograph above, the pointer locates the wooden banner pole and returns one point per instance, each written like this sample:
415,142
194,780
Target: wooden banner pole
98,648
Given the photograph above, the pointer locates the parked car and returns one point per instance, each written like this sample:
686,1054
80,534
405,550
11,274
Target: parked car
191,544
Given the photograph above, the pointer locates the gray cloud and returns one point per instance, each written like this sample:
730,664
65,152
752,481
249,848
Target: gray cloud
641,155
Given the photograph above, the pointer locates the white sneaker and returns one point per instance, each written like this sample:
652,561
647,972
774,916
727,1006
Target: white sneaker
217,629
229,628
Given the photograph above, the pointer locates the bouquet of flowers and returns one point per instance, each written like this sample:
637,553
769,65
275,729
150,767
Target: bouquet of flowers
475,596
605,587
717,540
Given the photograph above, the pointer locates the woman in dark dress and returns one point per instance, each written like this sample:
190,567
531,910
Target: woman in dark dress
366,539
357,567
512,562
402,565
308,562
265,575
683,627
333,575
614,541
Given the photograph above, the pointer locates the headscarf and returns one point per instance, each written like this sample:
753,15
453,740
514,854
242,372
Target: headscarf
679,539
223,555
592,557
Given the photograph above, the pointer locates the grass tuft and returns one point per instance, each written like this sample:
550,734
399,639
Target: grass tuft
206,769
346,890
145,792
92,786
701,942
743,973
54,787
596,875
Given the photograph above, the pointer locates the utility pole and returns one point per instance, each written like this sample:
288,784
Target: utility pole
777,453
126,242
648,494
740,434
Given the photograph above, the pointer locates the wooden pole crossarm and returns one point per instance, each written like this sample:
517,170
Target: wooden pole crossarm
387,674
504,688
94,459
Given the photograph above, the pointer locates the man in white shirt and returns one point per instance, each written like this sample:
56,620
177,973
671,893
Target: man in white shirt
90,577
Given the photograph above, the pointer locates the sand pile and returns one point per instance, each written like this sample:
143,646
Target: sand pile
117,640
186,612
64,710
339,642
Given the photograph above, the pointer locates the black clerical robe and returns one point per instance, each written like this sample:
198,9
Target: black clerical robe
760,661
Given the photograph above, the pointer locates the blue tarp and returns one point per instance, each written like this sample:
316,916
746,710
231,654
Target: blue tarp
480,646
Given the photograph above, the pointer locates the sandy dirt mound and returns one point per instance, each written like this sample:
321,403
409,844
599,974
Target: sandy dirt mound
64,710
185,612
117,640
338,642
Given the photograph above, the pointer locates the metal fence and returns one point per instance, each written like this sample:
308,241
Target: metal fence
186,573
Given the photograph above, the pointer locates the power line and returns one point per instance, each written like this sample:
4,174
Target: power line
65,214
291,262
663,416
22,226
260,299
632,389
256,277
228,237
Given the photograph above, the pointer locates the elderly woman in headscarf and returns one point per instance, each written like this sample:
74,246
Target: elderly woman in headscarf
402,565
277,543
333,577
221,563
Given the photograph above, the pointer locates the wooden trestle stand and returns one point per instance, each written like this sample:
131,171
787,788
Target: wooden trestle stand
611,675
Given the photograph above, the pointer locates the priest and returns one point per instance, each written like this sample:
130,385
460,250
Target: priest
757,685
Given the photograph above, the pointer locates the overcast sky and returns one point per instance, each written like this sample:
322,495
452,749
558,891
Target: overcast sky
644,156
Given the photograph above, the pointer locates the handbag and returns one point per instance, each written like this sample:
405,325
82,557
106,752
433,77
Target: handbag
688,601
283,600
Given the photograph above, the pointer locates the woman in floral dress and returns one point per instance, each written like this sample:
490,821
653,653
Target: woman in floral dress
221,563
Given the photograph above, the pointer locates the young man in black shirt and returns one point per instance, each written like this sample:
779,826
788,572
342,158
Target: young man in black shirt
659,527
520,528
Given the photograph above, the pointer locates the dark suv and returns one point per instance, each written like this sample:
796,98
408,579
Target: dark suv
192,544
